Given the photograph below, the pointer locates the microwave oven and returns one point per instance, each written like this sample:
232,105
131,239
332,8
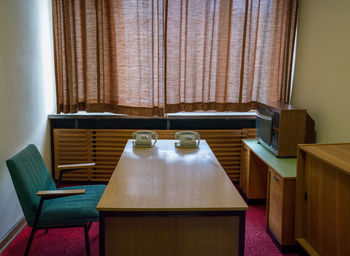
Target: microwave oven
280,128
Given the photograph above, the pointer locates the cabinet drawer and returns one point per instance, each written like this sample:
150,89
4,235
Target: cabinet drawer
275,206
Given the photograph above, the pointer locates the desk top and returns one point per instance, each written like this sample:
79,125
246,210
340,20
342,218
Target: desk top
286,167
336,155
165,178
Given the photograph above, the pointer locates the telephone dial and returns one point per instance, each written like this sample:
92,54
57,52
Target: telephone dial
187,139
143,139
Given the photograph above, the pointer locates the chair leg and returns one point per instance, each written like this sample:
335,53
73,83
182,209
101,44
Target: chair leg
87,243
89,225
59,179
30,241
36,220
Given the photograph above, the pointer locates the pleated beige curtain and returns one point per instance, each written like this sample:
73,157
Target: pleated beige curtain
222,55
147,58
109,56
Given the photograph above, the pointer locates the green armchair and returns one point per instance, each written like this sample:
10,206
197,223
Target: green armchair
46,207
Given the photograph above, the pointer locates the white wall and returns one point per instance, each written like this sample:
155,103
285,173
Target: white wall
322,69
26,91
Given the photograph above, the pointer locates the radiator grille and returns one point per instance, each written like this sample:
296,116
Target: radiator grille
105,146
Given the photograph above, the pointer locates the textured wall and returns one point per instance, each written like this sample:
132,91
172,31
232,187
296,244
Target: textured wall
322,70
26,90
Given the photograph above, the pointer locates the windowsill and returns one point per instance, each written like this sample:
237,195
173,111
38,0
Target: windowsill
212,114
179,115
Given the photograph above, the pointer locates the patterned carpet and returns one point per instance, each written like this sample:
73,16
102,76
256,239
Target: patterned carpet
70,241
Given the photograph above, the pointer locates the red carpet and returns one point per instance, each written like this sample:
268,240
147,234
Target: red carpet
70,242
257,241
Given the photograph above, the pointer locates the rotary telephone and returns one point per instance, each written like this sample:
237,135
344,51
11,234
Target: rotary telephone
143,139
187,139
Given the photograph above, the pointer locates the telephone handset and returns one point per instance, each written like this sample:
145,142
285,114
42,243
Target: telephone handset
187,139
143,139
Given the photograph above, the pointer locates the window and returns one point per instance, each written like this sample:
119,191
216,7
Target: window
149,58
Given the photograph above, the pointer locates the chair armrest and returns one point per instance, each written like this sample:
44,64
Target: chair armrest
75,166
49,194
71,167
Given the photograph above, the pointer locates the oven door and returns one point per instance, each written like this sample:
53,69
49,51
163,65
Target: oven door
264,126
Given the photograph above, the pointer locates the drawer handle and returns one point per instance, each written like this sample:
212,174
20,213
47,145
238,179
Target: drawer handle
275,178
244,148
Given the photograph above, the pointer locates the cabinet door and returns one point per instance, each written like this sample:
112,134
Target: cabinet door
257,177
244,176
275,203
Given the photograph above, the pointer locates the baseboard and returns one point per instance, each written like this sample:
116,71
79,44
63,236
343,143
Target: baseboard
259,201
14,231
256,201
282,248
301,251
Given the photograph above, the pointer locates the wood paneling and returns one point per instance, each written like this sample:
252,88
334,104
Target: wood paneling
323,198
108,146
249,133
174,236
105,146
72,146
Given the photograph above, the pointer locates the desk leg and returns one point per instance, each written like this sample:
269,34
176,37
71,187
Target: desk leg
102,234
241,232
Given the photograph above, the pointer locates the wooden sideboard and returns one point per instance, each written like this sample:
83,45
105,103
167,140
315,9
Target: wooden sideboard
264,176
322,223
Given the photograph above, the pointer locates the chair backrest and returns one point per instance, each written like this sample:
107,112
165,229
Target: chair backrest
29,175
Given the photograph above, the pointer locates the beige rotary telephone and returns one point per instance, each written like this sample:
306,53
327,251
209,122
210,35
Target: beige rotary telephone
187,139
143,139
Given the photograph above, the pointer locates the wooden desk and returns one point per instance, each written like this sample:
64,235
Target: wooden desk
169,201
263,175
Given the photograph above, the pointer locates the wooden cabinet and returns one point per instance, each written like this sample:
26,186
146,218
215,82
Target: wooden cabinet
322,223
263,175
280,207
253,175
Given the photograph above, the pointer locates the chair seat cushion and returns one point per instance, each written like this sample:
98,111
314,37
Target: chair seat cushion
72,210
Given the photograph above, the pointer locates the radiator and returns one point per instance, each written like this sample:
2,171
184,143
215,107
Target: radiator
105,146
